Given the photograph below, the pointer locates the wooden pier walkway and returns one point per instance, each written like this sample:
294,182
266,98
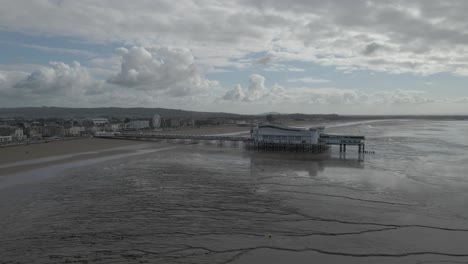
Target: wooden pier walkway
175,136
343,141
264,146
325,141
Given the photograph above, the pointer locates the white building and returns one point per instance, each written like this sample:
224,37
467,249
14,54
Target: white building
75,131
138,124
99,121
19,135
281,134
156,121
5,139
116,127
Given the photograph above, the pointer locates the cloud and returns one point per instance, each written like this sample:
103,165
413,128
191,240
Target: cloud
162,69
143,76
58,77
51,49
371,48
255,91
401,36
265,60
236,94
307,80
258,92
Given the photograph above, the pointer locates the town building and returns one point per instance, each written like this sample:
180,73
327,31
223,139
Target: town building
116,127
6,130
74,131
35,131
138,124
19,135
5,139
52,129
156,121
99,121
175,122
282,134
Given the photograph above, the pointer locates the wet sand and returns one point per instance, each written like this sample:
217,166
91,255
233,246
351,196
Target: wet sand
28,157
209,203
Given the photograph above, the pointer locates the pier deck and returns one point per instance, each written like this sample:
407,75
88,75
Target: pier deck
176,136
325,141
343,141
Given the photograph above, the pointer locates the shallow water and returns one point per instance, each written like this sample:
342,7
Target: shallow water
208,203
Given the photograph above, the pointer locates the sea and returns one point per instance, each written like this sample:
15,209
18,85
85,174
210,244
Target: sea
181,202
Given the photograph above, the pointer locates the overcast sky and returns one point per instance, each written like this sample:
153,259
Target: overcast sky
310,56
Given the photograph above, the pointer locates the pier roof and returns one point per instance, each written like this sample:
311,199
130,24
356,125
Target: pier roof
282,127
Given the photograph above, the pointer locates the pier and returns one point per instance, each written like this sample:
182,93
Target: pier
265,146
343,141
174,136
323,144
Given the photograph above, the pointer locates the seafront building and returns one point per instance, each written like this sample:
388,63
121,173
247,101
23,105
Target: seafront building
5,139
99,121
139,124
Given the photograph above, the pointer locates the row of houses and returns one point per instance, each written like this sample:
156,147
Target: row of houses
19,130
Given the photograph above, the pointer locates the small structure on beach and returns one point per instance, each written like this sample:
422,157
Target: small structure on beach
283,134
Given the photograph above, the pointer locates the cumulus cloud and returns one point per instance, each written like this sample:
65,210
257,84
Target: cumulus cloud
163,69
236,94
256,91
146,75
58,77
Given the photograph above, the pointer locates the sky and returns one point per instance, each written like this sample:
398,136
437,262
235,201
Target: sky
241,56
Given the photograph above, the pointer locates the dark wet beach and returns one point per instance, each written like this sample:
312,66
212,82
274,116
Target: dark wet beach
206,203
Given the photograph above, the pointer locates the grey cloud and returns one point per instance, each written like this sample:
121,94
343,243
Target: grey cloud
265,60
371,48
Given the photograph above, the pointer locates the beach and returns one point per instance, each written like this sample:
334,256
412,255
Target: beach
28,157
179,202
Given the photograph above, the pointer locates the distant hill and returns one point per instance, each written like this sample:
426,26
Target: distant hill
140,112
63,112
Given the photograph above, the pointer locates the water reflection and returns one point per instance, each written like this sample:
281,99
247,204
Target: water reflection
311,164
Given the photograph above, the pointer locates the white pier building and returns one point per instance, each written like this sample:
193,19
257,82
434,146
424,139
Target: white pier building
282,134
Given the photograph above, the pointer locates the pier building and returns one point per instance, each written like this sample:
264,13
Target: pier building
282,134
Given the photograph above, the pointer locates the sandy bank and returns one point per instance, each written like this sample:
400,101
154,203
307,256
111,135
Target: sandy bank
29,157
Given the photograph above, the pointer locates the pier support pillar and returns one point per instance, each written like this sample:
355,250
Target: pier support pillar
363,148
360,146
344,148
341,148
